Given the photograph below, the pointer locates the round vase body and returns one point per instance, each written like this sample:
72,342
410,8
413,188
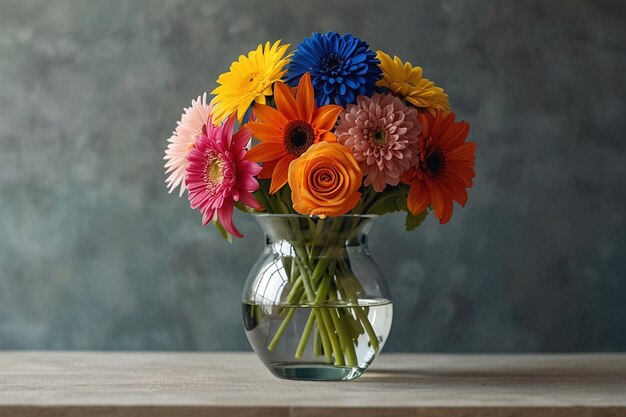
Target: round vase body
315,305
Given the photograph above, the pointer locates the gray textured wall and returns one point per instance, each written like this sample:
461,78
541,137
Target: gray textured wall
94,254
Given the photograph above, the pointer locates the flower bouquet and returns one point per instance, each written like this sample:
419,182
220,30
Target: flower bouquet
317,142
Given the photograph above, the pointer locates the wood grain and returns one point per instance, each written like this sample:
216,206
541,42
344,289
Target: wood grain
236,384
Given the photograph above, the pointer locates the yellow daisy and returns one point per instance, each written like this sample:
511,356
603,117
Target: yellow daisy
249,79
405,81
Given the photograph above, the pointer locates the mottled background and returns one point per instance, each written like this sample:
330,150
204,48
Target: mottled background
94,254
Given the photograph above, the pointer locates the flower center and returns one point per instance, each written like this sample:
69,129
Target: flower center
324,180
213,171
379,136
435,162
250,82
332,63
298,137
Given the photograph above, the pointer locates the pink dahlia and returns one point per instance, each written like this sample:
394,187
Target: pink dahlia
182,141
218,176
382,134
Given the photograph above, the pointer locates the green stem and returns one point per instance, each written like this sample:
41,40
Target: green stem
328,323
292,271
312,274
308,289
281,329
347,343
360,313
321,329
368,327
304,339
323,318
319,270
322,292
295,295
266,200
355,324
317,343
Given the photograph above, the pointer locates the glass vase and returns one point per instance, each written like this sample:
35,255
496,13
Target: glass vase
315,305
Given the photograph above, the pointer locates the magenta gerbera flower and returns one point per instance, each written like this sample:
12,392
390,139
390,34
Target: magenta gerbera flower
218,175
382,134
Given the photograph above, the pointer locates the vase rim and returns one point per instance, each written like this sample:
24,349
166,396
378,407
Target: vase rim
306,216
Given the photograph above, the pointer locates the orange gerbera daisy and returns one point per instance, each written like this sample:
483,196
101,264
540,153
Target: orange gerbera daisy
445,168
289,130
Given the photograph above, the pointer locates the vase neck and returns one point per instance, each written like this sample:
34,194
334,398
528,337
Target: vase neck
334,232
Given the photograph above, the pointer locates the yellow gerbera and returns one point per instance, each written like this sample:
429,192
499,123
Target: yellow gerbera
405,81
249,79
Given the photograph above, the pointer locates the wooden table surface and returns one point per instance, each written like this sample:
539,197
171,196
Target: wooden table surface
237,384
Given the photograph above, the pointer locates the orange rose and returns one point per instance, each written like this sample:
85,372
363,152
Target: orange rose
325,180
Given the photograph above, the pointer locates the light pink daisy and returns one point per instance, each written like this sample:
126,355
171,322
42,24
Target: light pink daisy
182,141
218,175
382,134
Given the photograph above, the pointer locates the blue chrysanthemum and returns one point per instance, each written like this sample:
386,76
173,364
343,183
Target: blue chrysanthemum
341,67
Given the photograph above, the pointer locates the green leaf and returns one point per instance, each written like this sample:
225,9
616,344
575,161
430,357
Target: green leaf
242,207
262,195
391,200
264,185
279,202
285,195
227,236
401,202
413,221
384,205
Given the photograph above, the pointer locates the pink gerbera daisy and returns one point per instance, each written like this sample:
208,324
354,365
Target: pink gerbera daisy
182,141
218,175
382,134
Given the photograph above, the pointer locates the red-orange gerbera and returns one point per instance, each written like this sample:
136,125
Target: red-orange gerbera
445,168
288,131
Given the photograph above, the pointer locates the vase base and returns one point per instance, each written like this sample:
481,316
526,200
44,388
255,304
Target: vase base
314,371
